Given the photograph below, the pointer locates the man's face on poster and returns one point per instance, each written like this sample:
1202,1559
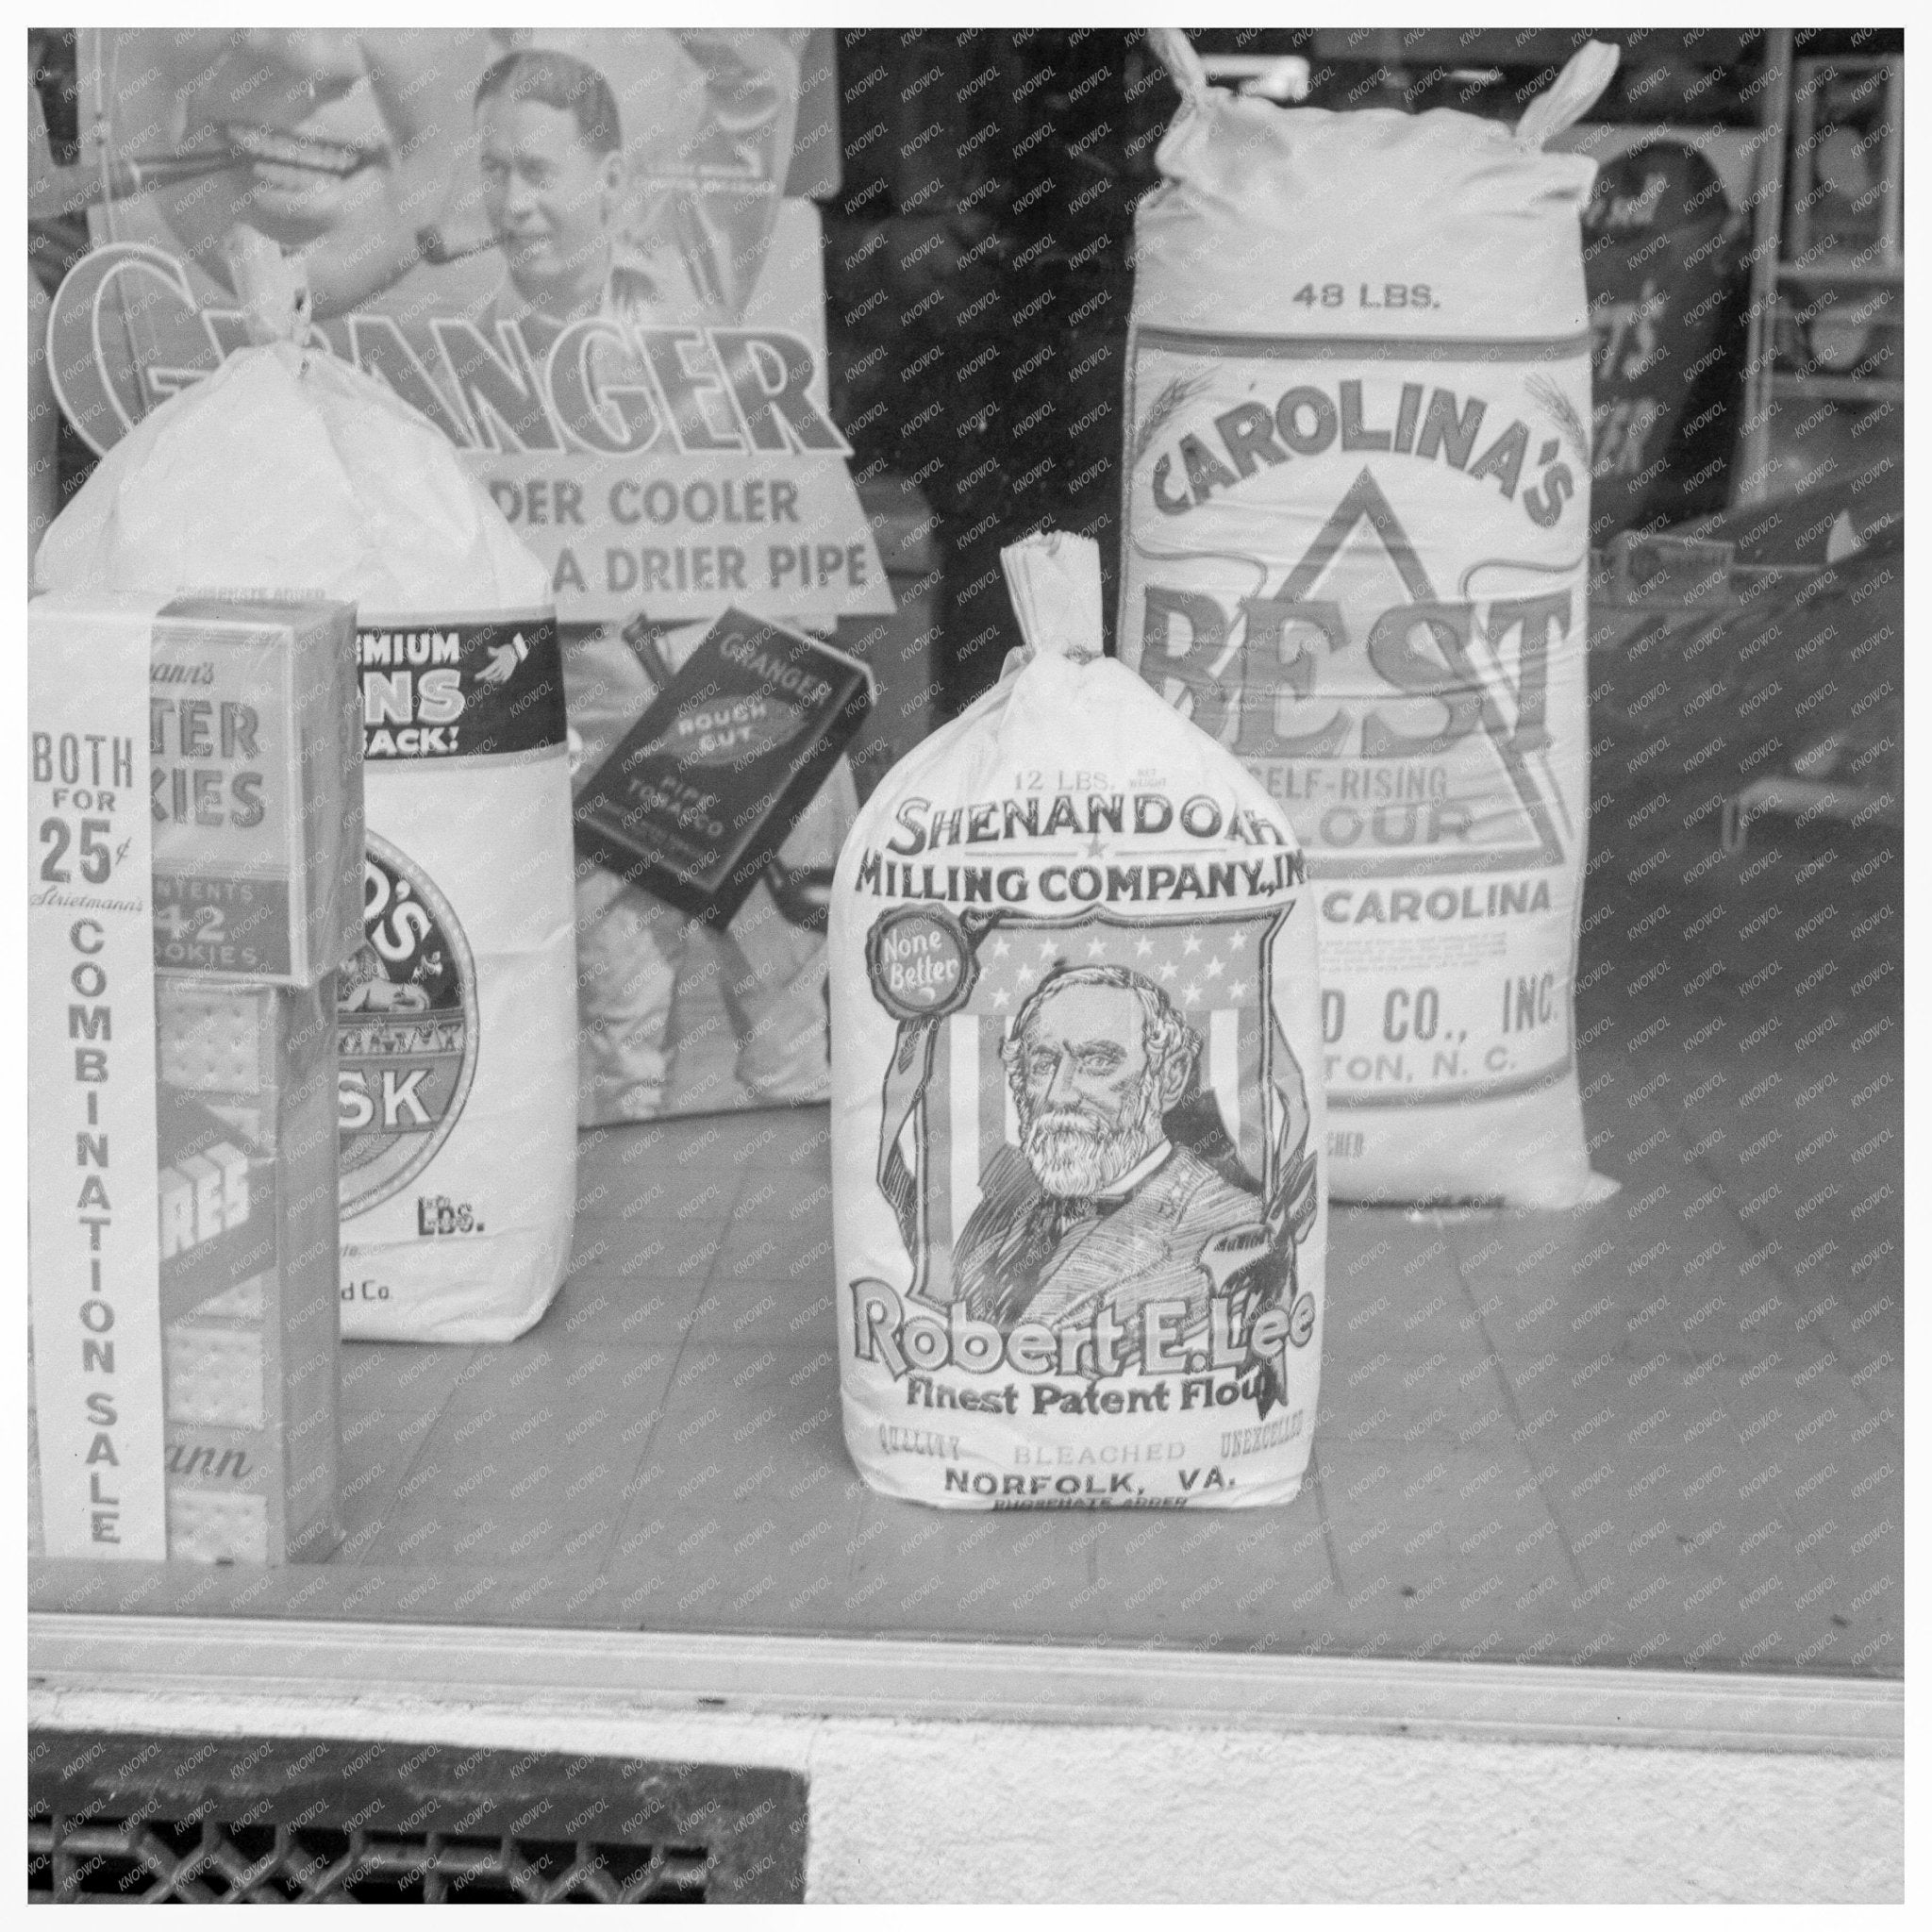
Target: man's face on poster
1088,1098
550,199
345,142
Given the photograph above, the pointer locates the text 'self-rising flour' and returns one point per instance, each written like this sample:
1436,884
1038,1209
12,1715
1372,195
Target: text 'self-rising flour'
457,1017
1076,1114
1357,550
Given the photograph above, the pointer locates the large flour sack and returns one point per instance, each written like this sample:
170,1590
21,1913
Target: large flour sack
1357,544
1076,1116
458,1031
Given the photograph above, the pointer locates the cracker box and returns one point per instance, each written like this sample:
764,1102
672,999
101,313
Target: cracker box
255,776
247,1111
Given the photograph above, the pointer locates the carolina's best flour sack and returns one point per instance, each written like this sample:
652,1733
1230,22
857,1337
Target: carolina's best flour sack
1077,1209
458,1027
1357,506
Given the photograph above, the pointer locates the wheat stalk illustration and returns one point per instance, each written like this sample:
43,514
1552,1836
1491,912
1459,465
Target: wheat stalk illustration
1163,409
1576,432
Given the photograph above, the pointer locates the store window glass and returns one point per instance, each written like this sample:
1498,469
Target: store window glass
770,341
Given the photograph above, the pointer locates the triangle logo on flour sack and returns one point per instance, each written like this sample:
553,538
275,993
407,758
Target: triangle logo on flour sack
1442,761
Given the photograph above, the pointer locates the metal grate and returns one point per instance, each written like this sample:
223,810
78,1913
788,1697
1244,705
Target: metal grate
152,1820
152,1861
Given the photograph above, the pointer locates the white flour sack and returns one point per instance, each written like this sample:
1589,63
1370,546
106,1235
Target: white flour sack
1357,544
1077,1206
457,1020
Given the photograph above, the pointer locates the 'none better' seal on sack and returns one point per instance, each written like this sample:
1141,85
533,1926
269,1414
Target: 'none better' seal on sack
1076,1113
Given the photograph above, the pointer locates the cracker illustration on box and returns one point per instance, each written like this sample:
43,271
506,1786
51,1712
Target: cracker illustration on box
247,1210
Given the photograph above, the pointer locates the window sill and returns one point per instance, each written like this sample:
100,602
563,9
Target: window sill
616,1673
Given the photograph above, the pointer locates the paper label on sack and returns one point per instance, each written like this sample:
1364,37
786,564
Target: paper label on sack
454,1028
93,1248
1366,577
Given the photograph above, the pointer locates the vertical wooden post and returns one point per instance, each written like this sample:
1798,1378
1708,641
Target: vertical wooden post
1768,196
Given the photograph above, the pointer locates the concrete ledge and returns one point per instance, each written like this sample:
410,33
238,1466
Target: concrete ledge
613,1673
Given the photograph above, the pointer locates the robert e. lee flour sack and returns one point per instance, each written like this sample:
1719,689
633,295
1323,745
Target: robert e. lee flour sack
1076,1114
458,1021
1357,542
